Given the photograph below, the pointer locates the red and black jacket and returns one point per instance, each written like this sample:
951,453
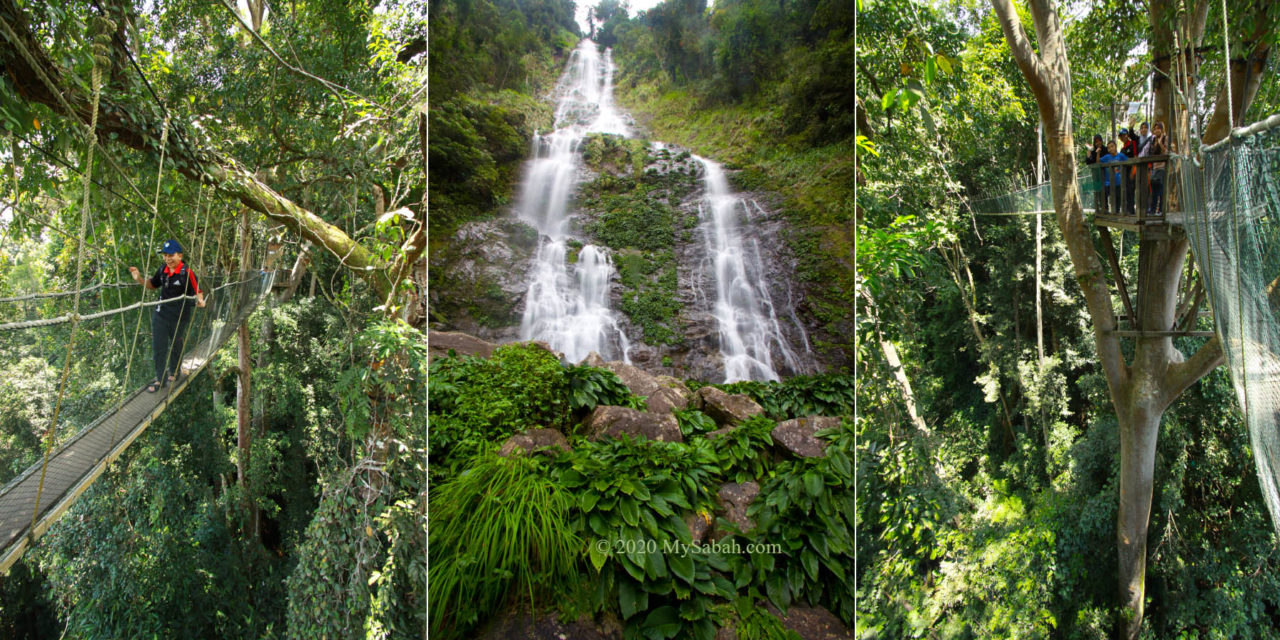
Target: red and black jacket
175,283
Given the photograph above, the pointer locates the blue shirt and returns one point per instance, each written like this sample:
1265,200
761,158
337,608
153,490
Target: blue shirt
1106,174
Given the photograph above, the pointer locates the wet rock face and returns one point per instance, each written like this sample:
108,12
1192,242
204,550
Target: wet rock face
478,277
639,382
812,623
612,422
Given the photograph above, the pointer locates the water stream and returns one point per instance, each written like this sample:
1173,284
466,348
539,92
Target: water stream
752,343
567,305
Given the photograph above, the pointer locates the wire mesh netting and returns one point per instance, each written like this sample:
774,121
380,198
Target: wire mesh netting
1232,203
1036,198
103,403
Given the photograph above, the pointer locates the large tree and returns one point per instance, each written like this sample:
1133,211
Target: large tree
1142,387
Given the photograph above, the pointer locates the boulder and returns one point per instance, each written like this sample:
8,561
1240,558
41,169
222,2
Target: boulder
439,343
610,422
812,623
639,382
677,385
593,359
664,400
712,435
727,408
734,498
796,436
534,441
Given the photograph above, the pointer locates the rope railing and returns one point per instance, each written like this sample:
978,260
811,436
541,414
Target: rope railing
62,294
73,317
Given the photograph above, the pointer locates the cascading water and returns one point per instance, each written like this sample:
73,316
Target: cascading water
570,311
750,335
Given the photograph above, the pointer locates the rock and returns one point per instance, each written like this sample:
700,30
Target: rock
593,359
729,632
677,385
712,435
699,525
534,441
812,623
519,624
439,343
610,422
727,409
639,382
734,498
664,400
796,436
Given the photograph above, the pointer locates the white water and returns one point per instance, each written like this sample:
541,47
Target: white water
568,305
750,335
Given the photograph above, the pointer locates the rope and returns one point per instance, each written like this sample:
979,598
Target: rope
63,294
101,27
75,317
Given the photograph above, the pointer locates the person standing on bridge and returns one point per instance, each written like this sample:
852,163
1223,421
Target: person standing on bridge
169,323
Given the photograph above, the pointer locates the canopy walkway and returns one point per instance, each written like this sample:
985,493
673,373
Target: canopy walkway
1227,202
37,497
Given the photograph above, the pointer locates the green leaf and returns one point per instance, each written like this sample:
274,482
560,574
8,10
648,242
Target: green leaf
813,483
930,70
629,511
655,566
631,598
681,565
598,556
944,64
589,500
888,99
661,623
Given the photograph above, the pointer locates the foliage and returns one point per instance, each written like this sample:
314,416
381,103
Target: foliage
808,509
477,402
743,451
693,422
501,529
630,496
593,386
827,394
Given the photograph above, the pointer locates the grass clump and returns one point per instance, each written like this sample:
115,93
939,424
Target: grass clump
499,531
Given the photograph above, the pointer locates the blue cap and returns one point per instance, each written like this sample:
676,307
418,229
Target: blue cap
171,246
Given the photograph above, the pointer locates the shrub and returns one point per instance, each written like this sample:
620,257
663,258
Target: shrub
476,403
743,452
500,529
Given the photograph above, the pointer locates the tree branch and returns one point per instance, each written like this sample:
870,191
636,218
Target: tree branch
1182,375
1031,65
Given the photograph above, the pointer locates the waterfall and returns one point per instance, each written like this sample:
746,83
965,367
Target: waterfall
750,335
568,305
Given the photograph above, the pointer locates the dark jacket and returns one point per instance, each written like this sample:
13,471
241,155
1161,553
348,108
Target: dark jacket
175,284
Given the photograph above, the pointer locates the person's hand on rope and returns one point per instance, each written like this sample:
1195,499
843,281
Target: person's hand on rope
137,277
200,300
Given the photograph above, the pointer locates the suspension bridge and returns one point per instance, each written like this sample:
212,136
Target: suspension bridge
31,502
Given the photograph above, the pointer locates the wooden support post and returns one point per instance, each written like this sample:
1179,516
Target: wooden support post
1115,270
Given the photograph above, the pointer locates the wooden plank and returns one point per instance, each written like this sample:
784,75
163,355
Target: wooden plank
76,464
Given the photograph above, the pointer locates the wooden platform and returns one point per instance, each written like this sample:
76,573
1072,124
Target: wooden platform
74,465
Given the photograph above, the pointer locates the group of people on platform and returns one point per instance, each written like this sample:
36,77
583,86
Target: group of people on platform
1115,183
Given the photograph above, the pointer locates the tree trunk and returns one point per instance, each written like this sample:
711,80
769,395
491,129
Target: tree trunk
244,414
1159,373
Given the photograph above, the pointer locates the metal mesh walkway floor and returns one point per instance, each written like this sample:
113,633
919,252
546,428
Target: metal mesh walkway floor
74,465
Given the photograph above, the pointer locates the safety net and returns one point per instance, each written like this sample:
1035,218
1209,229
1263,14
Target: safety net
1231,197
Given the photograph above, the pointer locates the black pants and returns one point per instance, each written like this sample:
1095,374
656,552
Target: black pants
167,334
1157,192
1128,191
